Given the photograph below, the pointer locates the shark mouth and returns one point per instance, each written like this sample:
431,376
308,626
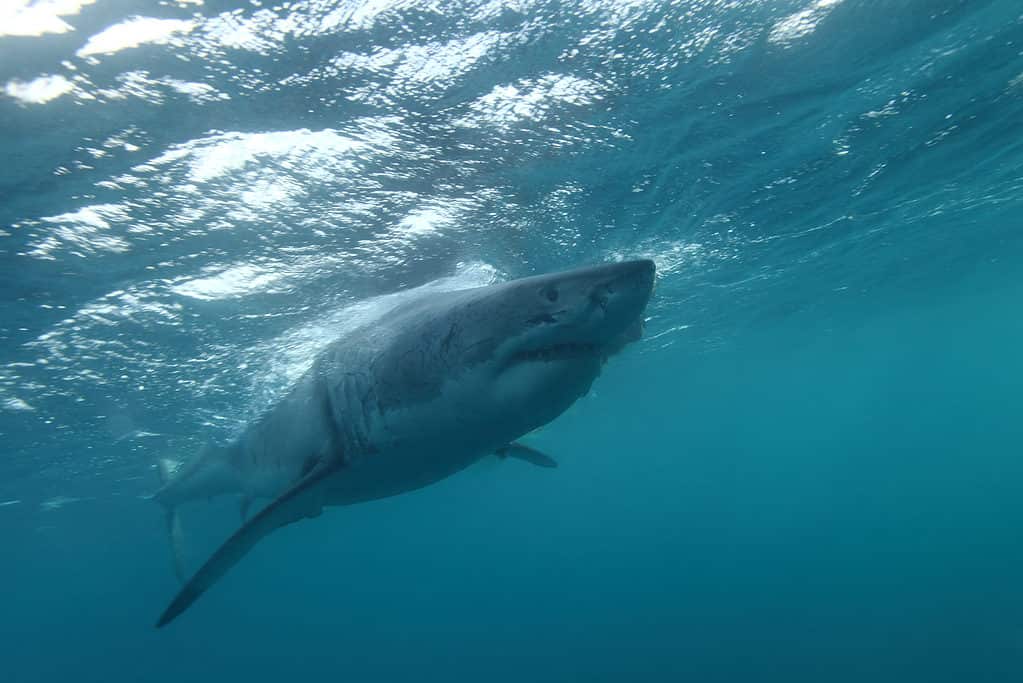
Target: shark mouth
558,352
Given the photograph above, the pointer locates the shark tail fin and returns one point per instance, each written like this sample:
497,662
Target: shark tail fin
168,469
304,499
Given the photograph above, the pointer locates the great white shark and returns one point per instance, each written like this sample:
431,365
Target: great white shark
432,386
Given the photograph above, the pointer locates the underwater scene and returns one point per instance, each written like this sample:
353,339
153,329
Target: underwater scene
511,340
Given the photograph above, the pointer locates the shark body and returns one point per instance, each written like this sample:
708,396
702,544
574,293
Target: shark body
434,385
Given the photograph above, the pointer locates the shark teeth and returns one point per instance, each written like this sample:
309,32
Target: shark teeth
558,352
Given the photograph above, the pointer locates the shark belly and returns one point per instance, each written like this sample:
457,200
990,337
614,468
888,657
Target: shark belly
390,474
381,453
408,449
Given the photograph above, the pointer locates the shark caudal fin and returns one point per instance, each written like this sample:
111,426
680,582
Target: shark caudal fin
168,469
207,474
304,499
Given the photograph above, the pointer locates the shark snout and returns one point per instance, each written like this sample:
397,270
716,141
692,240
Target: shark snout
622,293
608,312
587,311
637,275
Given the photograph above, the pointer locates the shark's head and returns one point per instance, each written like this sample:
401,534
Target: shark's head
496,362
561,320
545,338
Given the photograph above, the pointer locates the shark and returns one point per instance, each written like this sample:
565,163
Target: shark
433,385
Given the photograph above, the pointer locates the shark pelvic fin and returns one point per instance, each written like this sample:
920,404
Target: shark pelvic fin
522,452
304,499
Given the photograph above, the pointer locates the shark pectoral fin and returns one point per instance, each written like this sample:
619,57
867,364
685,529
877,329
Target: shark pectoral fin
302,500
522,452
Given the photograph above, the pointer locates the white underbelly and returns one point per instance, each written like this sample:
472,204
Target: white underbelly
388,474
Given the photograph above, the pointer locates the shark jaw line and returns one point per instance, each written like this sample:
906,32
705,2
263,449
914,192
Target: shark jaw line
558,352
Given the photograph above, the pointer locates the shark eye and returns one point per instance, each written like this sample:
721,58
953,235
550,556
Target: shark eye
551,293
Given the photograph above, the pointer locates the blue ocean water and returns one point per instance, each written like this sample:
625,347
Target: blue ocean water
808,470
